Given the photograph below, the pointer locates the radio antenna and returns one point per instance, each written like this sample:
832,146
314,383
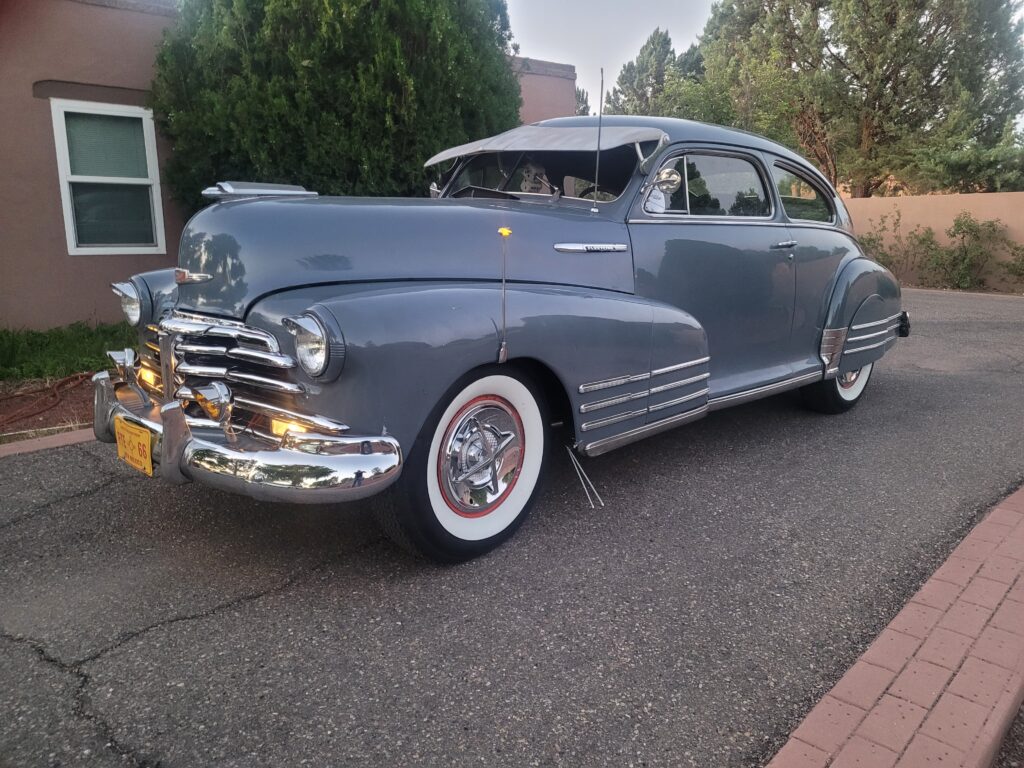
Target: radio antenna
597,162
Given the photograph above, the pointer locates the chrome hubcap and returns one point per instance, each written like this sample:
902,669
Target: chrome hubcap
849,378
481,456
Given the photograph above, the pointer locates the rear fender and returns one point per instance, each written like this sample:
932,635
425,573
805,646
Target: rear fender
866,303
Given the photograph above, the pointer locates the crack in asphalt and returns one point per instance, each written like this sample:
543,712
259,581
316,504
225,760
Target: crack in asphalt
47,506
80,700
78,703
126,637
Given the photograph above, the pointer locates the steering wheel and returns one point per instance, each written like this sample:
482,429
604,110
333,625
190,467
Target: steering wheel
588,190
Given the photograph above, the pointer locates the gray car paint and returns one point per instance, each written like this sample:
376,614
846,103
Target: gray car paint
408,343
414,284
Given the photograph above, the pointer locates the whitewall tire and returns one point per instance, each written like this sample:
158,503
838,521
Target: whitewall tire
840,394
473,473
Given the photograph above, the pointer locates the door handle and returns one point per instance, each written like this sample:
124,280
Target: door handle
784,244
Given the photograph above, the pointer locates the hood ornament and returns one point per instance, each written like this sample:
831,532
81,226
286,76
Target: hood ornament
184,277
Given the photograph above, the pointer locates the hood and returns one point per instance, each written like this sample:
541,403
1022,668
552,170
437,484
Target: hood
252,248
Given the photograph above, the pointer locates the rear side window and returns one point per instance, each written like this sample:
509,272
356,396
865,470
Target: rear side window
801,200
716,185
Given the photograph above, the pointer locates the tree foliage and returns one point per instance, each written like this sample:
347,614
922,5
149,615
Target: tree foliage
921,94
342,96
643,79
582,101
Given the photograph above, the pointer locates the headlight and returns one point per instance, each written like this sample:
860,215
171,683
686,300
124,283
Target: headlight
131,303
311,344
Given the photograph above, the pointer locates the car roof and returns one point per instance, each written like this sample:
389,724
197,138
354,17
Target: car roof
684,130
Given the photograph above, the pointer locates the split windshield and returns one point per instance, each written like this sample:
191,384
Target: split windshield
518,174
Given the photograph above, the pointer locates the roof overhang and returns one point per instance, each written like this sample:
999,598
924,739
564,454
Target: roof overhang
539,138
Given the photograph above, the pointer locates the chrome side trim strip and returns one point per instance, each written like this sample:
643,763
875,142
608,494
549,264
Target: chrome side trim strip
599,404
869,346
609,402
606,444
632,378
677,384
681,366
616,382
589,425
876,322
874,335
768,389
678,401
591,247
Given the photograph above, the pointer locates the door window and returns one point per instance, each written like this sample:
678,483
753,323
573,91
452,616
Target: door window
714,185
800,199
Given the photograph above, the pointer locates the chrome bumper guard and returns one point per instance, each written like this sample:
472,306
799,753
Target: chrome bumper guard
304,468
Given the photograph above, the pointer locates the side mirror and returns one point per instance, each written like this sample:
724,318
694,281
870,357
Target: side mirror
668,180
435,191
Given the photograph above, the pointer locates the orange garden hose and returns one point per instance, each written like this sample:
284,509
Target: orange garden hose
47,397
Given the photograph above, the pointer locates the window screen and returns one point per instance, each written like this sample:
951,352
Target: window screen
801,200
106,145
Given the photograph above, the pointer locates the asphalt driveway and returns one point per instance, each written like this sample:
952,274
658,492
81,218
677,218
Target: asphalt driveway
740,566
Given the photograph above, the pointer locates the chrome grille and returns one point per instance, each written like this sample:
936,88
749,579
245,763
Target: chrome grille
249,360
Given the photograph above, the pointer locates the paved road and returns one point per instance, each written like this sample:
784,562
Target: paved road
741,564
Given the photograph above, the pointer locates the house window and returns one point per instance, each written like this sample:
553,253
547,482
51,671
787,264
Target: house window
109,178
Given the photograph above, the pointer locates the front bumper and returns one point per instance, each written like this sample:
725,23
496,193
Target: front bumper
305,468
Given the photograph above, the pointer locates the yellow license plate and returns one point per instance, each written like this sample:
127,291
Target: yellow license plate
134,445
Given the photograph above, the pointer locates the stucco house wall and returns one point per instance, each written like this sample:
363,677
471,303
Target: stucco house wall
548,89
101,52
89,50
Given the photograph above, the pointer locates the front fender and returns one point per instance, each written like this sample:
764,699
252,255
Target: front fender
408,343
866,303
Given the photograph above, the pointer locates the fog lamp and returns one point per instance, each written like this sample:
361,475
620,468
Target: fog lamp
279,427
149,377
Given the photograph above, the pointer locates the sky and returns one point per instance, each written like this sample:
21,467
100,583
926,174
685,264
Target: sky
590,34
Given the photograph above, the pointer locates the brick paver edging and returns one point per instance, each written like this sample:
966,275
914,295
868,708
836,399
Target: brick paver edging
941,685
50,441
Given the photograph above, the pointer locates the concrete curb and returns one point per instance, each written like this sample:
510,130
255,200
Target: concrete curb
49,441
941,685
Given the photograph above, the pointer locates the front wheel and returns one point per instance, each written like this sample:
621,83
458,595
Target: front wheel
473,472
837,395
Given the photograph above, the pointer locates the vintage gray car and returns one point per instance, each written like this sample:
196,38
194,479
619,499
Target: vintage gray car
320,350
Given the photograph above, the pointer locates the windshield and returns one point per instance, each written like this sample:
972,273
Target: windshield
518,174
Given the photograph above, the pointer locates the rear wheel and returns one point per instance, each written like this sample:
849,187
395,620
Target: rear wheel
473,473
837,395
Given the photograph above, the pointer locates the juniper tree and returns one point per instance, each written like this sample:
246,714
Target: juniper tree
343,96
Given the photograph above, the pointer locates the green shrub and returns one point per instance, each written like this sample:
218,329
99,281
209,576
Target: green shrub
902,254
960,265
61,351
974,245
346,97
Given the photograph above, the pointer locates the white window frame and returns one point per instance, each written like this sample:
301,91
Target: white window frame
58,108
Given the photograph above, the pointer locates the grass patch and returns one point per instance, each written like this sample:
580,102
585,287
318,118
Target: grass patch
61,351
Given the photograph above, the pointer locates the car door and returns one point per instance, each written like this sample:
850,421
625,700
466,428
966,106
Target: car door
819,249
717,248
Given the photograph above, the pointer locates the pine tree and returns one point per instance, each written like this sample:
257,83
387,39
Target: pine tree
641,81
582,102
